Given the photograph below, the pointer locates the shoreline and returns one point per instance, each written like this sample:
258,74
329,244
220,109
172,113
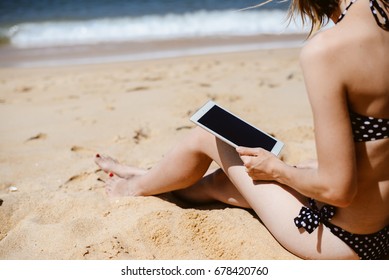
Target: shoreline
141,51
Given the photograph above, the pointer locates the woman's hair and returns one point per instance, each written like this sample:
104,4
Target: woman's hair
319,11
316,11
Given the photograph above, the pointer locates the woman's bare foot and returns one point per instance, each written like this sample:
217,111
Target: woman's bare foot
111,165
116,186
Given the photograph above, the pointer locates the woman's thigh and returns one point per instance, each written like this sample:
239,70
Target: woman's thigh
277,206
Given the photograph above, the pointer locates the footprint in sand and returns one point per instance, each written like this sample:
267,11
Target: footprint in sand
184,127
112,248
294,76
205,85
39,136
140,88
82,150
79,182
24,89
291,76
273,85
140,134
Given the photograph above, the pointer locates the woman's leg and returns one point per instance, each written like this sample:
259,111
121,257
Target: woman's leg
276,205
215,186
181,167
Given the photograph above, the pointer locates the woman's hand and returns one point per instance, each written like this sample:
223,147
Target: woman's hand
260,164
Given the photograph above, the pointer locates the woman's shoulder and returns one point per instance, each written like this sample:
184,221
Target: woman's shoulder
329,48
325,45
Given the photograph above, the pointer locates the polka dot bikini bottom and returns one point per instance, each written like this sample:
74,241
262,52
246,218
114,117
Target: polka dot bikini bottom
367,246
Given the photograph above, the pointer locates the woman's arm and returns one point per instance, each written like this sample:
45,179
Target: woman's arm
334,180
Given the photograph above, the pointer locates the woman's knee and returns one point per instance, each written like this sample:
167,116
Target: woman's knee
200,139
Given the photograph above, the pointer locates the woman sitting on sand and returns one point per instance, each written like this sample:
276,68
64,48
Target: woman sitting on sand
337,208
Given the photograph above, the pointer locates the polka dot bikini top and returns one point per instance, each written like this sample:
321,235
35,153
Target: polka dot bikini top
368,128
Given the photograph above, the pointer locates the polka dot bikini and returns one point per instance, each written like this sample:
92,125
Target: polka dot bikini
367,246
368,128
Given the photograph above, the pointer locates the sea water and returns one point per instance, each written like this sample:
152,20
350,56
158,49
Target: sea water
50,23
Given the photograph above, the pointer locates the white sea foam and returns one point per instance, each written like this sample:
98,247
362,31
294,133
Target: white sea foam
151,27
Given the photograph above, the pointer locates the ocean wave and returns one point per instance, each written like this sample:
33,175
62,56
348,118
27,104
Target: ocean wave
148,28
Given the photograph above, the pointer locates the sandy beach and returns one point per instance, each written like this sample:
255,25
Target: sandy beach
55,119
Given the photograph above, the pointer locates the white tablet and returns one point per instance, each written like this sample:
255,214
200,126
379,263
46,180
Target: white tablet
233,130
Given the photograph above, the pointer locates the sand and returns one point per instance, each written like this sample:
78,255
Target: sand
55,119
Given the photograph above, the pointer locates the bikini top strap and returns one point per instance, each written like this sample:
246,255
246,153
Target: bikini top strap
380,16
377,9
345,10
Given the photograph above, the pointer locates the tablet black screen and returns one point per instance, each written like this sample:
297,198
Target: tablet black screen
235,130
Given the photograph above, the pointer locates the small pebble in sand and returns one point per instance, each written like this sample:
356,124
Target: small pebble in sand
12,189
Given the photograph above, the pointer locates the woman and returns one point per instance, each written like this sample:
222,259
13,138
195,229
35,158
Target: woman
337,208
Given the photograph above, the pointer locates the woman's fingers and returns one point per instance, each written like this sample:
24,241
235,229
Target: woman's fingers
244,151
